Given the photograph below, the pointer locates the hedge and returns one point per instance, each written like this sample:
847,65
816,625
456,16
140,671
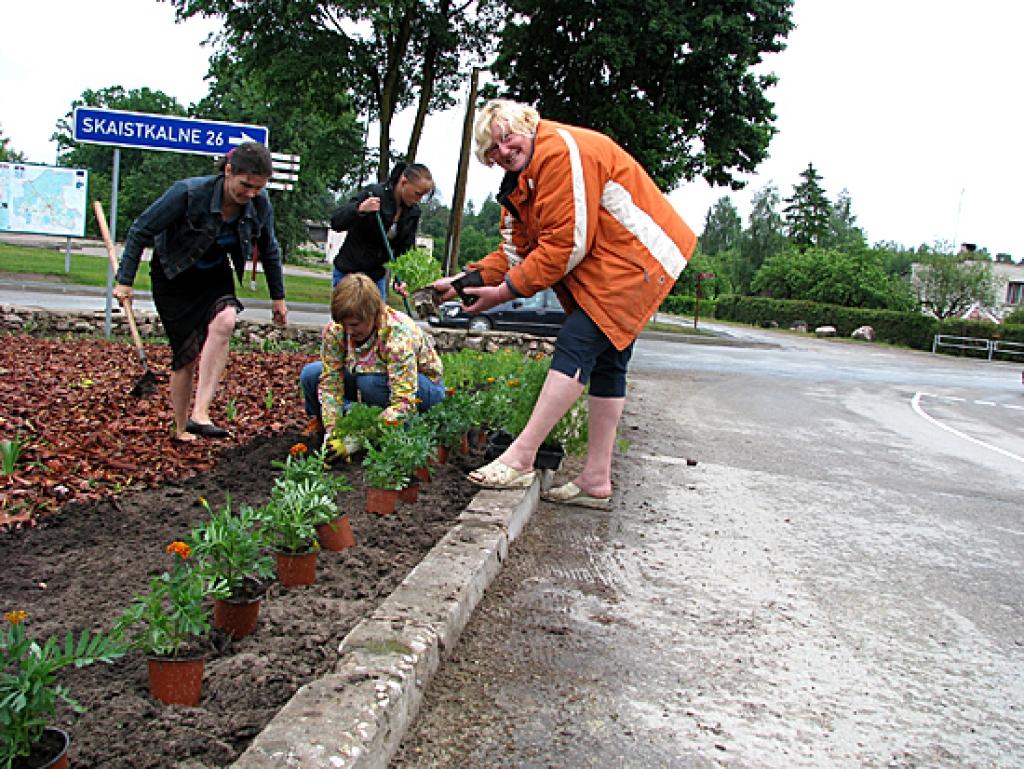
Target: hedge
676,304
909,329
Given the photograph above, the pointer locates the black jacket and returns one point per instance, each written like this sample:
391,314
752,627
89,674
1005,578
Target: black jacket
364,250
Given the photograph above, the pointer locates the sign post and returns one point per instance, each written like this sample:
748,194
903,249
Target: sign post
696,312
166,133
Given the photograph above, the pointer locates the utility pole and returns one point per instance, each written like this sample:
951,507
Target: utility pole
451,242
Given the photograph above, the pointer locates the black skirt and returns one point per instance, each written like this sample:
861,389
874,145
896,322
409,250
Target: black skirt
188,303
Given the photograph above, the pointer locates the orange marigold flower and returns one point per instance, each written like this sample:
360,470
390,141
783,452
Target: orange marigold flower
179,548
513,383
391,422
449,391
298,448
14,617
490,379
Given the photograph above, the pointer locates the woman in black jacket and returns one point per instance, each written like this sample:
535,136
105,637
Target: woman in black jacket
393,206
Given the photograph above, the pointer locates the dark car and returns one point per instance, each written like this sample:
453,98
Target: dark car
541,314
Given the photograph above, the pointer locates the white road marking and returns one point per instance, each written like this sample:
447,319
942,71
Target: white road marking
1011,406
984,403
951,398
916,404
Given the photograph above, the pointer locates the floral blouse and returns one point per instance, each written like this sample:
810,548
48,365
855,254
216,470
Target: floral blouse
400,349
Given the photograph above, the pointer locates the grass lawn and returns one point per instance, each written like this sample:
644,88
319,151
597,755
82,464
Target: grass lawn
92,271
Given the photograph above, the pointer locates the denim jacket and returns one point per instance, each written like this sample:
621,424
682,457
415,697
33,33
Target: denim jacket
184,223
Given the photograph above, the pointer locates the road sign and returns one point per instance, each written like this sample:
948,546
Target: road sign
286,171
139,130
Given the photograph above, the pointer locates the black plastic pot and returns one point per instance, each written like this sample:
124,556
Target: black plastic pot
497,442
549,457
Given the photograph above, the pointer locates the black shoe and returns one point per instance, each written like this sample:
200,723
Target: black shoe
205,430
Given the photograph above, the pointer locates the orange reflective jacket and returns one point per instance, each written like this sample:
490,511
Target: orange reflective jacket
586,219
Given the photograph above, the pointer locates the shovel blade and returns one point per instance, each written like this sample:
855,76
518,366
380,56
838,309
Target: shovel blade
145,386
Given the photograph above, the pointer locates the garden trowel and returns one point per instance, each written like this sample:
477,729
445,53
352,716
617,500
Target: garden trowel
147,383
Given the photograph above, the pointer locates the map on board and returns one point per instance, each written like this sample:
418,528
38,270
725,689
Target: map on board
46,200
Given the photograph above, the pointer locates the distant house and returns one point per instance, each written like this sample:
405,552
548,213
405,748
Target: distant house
1011,292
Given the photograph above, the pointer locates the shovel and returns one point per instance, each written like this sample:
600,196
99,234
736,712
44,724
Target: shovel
147,383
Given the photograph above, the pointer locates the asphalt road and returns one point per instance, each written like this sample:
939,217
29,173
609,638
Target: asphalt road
838,582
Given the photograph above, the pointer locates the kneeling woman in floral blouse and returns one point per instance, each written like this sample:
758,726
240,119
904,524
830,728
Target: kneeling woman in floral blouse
371,353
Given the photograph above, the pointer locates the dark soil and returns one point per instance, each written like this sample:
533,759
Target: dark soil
79,569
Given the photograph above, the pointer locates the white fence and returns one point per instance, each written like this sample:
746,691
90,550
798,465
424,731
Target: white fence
988,346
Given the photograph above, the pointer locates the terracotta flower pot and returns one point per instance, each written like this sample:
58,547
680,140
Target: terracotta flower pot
237,618
465,443
176,681
296,569
51,752
381,501
443,455
410,493
423,473
336,535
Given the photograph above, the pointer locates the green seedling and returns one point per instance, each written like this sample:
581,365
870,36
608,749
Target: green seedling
10,453
231,410
268,401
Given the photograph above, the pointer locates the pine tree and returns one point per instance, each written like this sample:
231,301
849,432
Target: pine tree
808,213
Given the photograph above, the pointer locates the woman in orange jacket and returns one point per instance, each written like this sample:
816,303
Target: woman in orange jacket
582,216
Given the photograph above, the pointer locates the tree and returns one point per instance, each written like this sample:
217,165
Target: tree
947,286
380,54
723,227
850,278
808,212
673,83
6,153
762,239
843,229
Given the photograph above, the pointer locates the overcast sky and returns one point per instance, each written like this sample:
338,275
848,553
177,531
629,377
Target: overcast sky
908,104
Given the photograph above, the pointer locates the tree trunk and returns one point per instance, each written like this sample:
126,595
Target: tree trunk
390,91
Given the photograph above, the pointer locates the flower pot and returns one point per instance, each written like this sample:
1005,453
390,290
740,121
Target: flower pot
381,501
549,457
481,437
336,535
443,455
296,569
497,443
176,681
51,752
423,473
411,492
465,443
237,618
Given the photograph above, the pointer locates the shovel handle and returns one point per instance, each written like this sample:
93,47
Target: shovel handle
101,220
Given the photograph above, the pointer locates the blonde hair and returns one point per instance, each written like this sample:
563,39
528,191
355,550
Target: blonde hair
514,117
357,296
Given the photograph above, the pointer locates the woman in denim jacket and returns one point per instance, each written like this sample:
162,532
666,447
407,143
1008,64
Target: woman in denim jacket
199,229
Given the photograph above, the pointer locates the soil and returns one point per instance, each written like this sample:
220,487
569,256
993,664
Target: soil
78,567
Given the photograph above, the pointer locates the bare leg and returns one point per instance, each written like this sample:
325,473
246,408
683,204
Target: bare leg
603,416
212,362
181,394
556,397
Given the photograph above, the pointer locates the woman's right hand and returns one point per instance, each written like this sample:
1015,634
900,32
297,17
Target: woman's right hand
123,293
369,205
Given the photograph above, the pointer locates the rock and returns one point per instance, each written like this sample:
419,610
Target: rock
864,332
799,325
825,331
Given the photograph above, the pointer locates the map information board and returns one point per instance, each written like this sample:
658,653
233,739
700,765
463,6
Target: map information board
44,200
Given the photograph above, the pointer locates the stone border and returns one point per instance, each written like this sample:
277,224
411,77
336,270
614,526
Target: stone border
356,717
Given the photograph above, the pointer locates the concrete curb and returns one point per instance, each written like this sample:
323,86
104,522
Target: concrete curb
356,717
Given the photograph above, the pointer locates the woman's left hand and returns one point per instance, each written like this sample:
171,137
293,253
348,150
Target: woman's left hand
279,312
401,288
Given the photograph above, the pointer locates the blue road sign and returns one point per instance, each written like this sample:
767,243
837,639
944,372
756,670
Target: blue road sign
140,130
